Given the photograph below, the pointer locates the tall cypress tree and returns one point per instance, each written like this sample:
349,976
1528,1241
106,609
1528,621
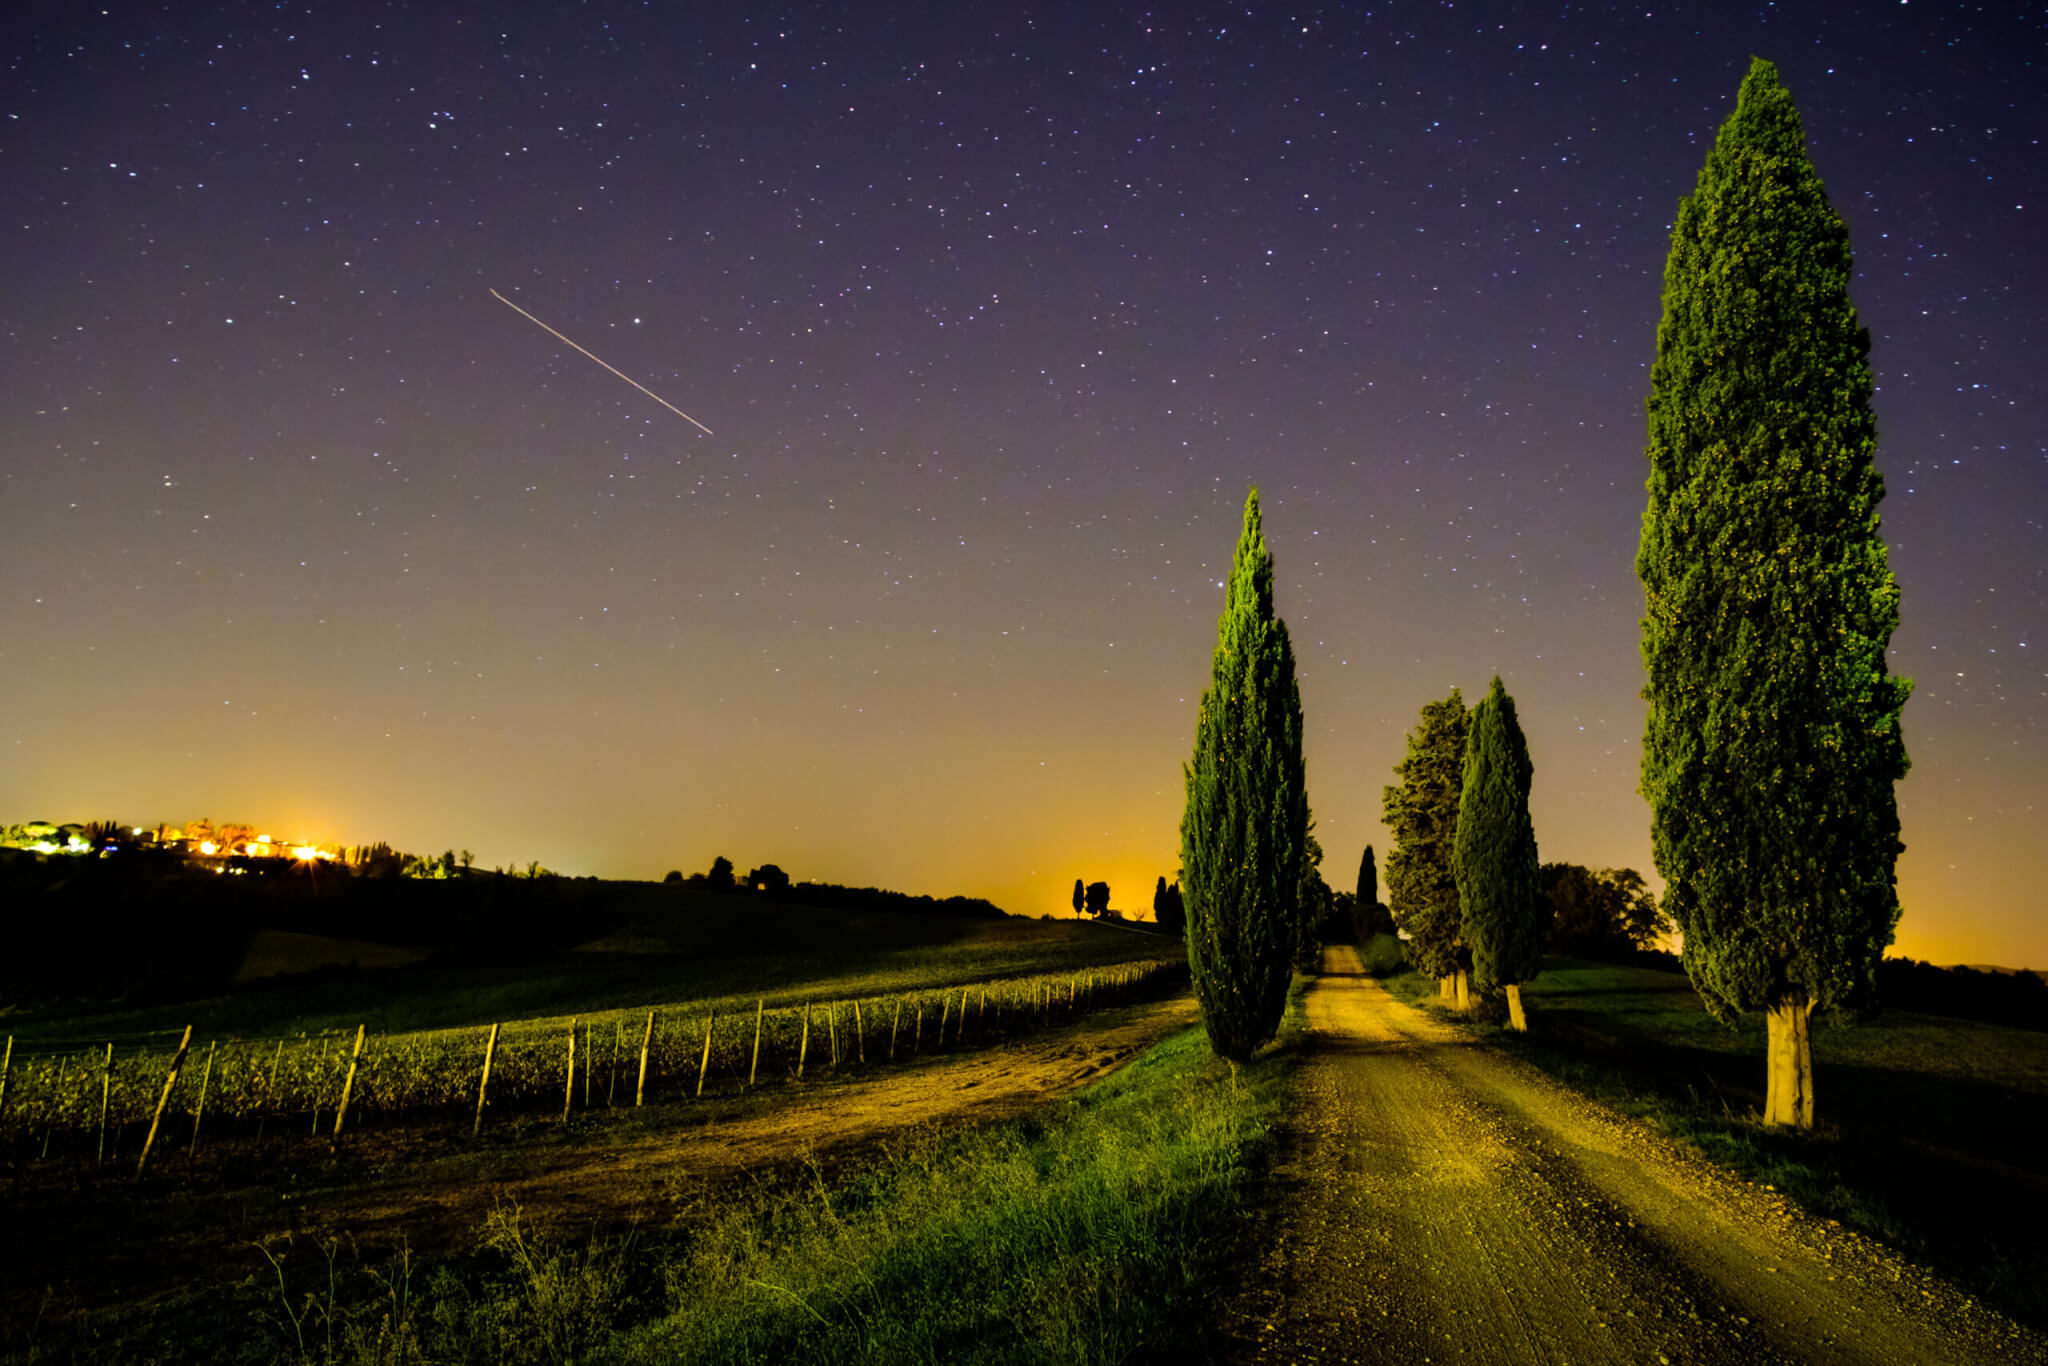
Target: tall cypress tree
1494,854
1773,740
1422,811
1372,917
1244,830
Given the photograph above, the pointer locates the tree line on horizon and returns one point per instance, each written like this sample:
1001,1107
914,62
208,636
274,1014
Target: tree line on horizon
1772,744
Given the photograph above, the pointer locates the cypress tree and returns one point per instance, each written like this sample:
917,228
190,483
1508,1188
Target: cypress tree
1494,854
1372,917
1422,811
1773,742
1244,829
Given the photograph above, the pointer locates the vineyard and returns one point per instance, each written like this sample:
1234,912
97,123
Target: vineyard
103,1100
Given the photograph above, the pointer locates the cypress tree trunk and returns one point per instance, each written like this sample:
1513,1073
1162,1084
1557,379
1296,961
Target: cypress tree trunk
1517,1021
1788,1095
1463,986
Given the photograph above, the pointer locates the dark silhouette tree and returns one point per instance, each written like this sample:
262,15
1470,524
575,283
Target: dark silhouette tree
1096,899
1773,742
1313,903
719,879
1600,913
768,878
1369,913
1422,811
1494,855
1168,909
1243,830
1080,896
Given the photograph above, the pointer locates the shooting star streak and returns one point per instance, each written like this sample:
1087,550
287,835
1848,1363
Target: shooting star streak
601,361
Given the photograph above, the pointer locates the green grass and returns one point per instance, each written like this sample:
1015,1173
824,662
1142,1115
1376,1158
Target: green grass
1929,1134
1097,1230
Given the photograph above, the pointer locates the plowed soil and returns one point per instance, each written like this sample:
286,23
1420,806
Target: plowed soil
1444,1203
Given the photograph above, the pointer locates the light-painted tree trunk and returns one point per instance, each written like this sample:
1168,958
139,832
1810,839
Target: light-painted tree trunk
1788,1095
1517,1020
1464,988
1445,991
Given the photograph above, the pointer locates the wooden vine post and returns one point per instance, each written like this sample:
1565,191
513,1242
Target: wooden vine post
832,1022
803,1047
199,1113
170,1080
322,1067
611,1090
588,1049
646,1042
753,1067
6,1071
63,1073
106,1093
960,1029
348,1084
895,1023
569,1087
860,1044
483,1083
704,1063
269,1088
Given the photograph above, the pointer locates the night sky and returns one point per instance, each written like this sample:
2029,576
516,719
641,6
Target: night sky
995,311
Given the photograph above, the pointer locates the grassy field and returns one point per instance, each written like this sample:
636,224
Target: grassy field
1930,1133
1099,1229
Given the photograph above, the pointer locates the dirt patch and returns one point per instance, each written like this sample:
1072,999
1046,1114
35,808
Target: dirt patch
102,1239
1446,1203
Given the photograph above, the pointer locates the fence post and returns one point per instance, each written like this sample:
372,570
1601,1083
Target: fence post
611,1090
348,1084
316,1084
832,1021
205,1080
106,1092
917,1030
945,1014
760,1005
269,1088
860,1044
63,1071
704,1063
588,1049
803,1047
895,1023
569,1087
170,1080
640,1091
483,1083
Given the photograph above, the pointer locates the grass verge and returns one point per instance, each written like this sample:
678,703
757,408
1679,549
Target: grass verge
1096,1230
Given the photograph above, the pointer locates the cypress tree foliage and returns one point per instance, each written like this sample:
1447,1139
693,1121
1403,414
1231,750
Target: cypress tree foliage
1422,811
1371,914
1243,832
1494,854
1773,740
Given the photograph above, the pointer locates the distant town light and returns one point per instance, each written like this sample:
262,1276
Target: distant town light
208,847
305,853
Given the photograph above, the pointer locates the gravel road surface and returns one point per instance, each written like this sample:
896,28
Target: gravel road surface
1449,1204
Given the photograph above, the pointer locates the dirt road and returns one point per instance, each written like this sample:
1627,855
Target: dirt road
1445,1203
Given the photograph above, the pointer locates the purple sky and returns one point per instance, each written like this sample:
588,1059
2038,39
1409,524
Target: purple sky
994,312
